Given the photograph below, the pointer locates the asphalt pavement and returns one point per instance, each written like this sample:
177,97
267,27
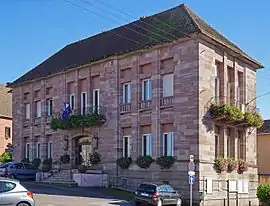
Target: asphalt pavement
54,195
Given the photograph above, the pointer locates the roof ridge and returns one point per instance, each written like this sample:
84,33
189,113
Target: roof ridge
189,12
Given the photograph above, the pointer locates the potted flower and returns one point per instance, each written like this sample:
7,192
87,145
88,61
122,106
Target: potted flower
65,159
165,162
144,162
124,162
95,158
232,165
82,169
242,167
220,164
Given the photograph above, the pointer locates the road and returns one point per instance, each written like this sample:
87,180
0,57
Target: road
52,195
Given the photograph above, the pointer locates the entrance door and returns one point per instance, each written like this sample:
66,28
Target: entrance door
84,150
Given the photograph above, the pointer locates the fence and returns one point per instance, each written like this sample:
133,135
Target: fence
222,192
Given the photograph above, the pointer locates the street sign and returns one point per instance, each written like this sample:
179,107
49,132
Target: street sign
191,166
191,158
191,179
191,173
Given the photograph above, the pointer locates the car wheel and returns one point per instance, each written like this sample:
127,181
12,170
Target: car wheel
179,202
23,204
137,203
159,202
11,176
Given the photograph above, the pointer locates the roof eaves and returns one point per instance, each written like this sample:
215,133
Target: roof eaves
240,52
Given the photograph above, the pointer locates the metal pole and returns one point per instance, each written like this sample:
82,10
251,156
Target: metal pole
204,181
190,194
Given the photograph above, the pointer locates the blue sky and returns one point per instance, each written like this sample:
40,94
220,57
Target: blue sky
32,30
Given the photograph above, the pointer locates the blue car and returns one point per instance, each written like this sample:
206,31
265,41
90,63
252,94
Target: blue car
18,170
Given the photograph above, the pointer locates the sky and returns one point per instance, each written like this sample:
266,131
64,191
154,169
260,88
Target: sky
32,30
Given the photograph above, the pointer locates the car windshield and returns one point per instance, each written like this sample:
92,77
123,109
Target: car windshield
147,188
4,165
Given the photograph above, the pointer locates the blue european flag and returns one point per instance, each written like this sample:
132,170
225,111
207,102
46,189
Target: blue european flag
66,111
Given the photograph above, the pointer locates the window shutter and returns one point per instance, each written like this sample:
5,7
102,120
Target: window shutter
129,93
149,89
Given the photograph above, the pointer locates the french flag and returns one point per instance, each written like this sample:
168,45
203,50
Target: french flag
66,111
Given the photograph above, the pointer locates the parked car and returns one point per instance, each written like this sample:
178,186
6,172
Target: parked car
157,195
18,170
12,193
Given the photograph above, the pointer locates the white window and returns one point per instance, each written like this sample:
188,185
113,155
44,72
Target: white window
49,107
27,151
38,109
96,100
38,150
168,85
168,144
147,145
83,103
146,89
27,111
243,186
126,93
50,149
216,83
126,146
72,101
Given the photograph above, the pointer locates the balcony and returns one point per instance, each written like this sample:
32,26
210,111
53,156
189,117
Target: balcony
166,101
79,118
234,114
145,104
124,108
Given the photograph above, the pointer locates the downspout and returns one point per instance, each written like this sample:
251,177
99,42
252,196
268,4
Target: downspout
118,118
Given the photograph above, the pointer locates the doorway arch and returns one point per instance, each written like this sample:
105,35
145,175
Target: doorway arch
83,149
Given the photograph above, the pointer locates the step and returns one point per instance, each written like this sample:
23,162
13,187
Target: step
65,183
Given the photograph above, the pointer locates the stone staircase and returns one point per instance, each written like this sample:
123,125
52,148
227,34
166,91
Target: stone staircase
62,177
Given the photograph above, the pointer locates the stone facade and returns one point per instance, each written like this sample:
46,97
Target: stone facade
191,62
5,135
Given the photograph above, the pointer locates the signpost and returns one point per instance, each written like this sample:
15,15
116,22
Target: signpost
191,175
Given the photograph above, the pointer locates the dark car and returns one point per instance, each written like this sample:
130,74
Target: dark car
18,170
157,195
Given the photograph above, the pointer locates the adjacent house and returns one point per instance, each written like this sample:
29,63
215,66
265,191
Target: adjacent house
5,118
263,144
168,85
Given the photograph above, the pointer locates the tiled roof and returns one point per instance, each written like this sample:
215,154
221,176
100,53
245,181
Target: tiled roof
265,128
108,43
5,101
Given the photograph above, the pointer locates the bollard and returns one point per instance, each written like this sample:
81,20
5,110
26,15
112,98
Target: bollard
249,203
224,202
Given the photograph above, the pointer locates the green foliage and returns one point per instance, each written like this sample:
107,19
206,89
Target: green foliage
144,161
232,165
165,162
76,121
65,159
82,169
263,193
6,157
26,160
124,162
232,113
36,162
254,119
95,158
220,164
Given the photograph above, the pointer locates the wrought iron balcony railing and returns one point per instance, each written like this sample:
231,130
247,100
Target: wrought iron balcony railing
89,111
